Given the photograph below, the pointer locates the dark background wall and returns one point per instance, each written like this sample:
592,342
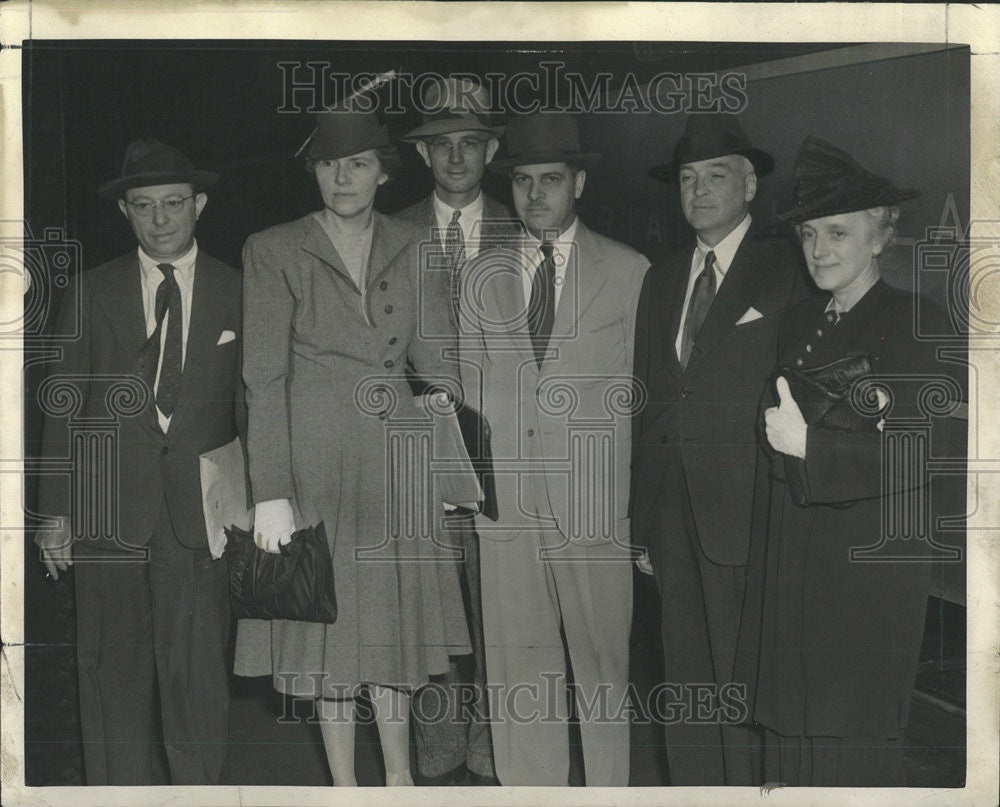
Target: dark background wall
905,117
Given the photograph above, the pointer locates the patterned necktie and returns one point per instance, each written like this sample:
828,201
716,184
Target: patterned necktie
701,300
542,307
454,250
168,298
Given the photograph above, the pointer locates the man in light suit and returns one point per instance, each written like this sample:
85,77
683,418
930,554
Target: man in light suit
705,346
546,351
152,606
457,139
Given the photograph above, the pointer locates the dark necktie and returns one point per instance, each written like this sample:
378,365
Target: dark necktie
542,307
454,250
701,300
168,298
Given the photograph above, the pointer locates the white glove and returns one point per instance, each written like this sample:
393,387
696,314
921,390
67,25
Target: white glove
273,524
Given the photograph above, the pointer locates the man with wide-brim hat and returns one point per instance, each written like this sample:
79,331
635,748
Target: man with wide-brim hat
456,139
549,320
152,606
705,345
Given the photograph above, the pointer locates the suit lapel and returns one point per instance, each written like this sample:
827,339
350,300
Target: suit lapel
583,280
388,240
318,244
672,307
204,329
735,295
121,300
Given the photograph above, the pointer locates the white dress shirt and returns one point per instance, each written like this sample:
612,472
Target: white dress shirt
532,249
152,277
724,251
471,222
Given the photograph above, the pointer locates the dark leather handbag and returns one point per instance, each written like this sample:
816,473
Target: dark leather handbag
823,396
295,584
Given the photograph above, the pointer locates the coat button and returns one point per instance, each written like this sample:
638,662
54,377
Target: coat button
809,348
382,415
798,362
393,340
664,439
819,332
531,432
165,450
383,285
685,392
388,309
389,364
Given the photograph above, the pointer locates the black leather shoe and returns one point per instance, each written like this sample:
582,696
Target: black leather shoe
453,778
478,780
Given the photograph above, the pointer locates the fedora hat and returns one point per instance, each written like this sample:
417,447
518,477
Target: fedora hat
454,105
709,135
343,132
543,137
829,181
149,162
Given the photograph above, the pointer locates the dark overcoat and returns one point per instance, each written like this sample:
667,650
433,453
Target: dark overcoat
841,632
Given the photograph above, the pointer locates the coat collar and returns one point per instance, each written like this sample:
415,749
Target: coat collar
389,238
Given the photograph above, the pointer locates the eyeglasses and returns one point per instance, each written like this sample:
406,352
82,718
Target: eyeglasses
466,145
146,208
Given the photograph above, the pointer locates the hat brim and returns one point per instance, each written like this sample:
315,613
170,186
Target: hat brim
763,164
835,207
539,157
441,127
114,189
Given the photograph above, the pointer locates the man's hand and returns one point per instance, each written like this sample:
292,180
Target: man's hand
643,562
273,524
56,549
786,428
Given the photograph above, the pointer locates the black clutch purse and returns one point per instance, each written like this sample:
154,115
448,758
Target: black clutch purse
296,584
823,396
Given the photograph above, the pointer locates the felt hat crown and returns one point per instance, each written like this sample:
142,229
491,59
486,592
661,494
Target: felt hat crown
343,132
829,181
149,162
708,135
543,137
454,105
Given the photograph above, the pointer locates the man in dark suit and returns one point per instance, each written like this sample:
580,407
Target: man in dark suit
456,140
704,348
152,606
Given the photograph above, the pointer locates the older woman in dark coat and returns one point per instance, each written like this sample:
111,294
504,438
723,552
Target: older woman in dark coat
842,615
336,307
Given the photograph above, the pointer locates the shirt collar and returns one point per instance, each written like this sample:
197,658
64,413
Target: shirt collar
562,244
183,266
470,213
725,250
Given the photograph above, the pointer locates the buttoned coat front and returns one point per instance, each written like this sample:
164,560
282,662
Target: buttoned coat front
326,390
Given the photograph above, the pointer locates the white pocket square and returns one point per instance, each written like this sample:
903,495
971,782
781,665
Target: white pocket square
225,338
749,316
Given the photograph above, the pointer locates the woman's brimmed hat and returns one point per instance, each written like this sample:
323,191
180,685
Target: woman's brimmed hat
709,135
454,105
149,162
343,132
543,137
829,181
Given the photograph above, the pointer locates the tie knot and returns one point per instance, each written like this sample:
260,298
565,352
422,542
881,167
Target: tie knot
547,248
167,269
455,216
709,260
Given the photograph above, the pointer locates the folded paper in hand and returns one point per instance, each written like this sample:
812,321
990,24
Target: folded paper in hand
455,480
224,493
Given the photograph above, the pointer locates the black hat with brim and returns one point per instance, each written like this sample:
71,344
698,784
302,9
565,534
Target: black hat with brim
829,182
343,132
149,162
543,138
707,136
